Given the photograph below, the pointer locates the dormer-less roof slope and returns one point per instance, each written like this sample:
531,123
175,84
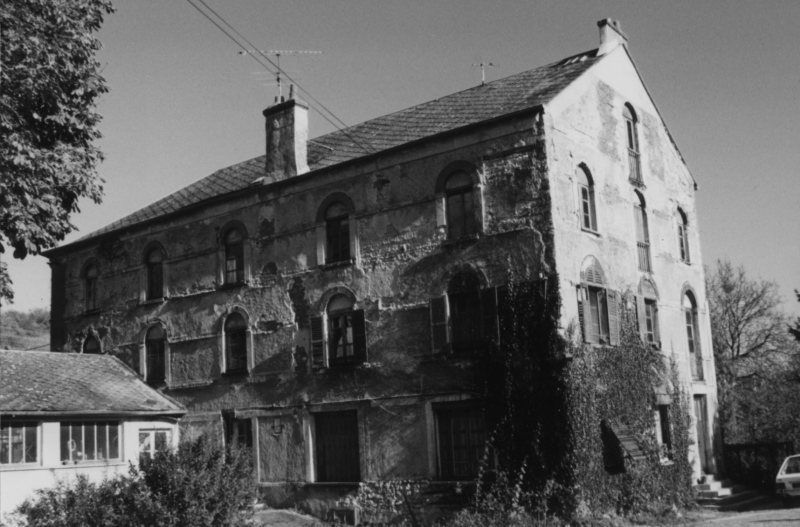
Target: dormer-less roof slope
48,383
495,99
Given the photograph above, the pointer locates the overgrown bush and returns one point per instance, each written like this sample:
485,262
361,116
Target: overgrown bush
198,485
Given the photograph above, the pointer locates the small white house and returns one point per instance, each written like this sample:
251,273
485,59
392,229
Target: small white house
63,414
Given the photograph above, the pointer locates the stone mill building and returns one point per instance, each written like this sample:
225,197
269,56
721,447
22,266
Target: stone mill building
321,302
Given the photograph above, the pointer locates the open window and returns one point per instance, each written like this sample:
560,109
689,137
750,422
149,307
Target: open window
598,306
664,432
155,355
647,313
460,440
466,318
632,140
692,335
234,256
587,206
642,234
683,236
337,446
238,432
339,337
154,261
235,343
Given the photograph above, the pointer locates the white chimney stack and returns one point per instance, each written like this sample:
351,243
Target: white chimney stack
611,36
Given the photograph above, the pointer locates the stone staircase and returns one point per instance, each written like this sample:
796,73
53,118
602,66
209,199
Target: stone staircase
724,496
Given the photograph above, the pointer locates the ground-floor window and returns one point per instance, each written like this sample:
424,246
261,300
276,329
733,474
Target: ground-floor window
336,438
19,443
238,432
89,441
151,442
461,441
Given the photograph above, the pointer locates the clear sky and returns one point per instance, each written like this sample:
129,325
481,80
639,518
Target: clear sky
183,103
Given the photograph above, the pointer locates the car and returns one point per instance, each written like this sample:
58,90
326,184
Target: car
787,482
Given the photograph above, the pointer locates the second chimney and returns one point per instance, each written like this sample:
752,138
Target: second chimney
611,35
287,138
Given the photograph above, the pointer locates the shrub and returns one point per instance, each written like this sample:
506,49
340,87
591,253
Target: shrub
197,485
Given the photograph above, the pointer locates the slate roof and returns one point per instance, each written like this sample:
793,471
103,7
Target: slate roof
494,99
51,383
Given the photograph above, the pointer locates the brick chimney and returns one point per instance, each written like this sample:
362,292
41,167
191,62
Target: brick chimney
611,35
287,138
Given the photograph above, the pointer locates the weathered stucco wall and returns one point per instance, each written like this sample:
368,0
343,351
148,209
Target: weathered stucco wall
586,126
403,260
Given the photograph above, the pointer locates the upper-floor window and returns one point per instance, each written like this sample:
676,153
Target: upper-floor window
337,233
89,441
632,139
18,443
648,313
465,318
642,234
598,307
91,276
683,236
339,337
586,186
234,256
155,274
235,343
459,206
91,345
155,355
692,335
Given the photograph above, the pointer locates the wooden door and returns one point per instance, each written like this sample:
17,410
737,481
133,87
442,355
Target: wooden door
337,446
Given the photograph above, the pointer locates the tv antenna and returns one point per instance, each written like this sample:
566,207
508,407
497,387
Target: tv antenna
483,65
277,54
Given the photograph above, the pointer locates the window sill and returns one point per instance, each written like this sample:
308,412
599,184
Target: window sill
637,183
156,384
336,265
462,240
91,312
591,231
333,483
667,462
234,285
92,463
153,301
236,373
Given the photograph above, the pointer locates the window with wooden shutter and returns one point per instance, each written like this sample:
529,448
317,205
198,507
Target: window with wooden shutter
359,337
613,305
439,330
583,316
317,325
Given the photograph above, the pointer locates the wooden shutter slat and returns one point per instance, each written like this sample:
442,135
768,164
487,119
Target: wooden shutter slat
439,330
613,317
489,314
503,315
318,354
359,337
584,317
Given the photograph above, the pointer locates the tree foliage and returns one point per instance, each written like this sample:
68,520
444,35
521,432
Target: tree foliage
24,330
756,358
50,82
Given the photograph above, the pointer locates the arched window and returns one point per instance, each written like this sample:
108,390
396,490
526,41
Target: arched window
234,256
155,355
593,303
642,234
586,186
337,233
693,335
155,274
235,343
91,275
91,345
683,236
459,205
632,139
339,336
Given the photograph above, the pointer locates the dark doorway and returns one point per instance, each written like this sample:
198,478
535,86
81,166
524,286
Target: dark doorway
337,446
